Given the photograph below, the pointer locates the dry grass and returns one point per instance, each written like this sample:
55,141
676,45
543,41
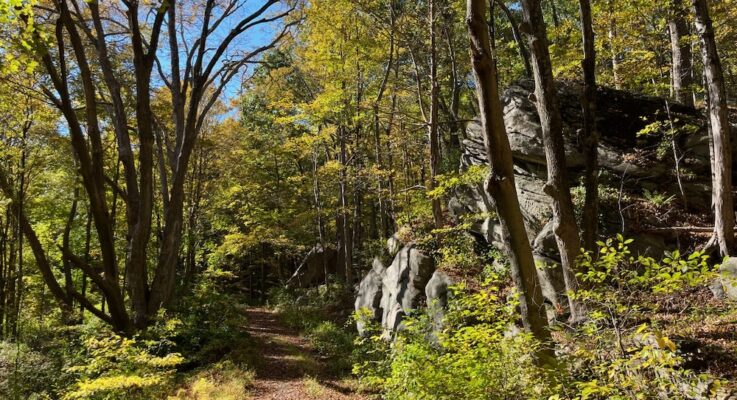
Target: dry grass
222,381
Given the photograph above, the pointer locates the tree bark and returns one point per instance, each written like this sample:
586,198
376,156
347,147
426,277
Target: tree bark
557,186
437,211
590,137
344,221
720,131
613,45
681,77
501,185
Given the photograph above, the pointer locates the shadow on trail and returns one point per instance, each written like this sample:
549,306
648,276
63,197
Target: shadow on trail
284,363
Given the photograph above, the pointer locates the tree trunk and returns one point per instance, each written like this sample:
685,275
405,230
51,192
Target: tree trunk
613,45
345,224
590,137
557,186
501,185
720,131
681,77
437,211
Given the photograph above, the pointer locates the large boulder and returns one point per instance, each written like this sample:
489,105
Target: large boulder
318,264
369,294
403,285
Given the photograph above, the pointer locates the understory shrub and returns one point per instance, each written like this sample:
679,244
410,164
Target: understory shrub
330,340
112,367
619,352
305,308
25,373
211,323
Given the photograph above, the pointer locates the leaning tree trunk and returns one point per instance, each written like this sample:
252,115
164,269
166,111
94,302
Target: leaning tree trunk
557,187
720,131
681,54
500,184
590,137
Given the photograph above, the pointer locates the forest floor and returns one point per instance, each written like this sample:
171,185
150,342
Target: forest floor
285,366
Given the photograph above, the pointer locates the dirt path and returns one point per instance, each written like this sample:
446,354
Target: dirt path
286,369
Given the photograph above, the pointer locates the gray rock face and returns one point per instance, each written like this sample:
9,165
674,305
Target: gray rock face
409,283
403,285
726,286
436,293
314,266
369,294
626,159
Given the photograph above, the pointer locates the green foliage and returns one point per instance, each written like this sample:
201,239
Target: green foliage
314,312
307,308
25,373
114,367
329,340
620,356
615,267
474,175
210,321
612,355
656,198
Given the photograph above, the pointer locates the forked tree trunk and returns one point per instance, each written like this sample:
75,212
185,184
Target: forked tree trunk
590,137
557,186
680,54
720,131
500,184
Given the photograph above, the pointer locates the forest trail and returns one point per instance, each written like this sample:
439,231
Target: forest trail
285,367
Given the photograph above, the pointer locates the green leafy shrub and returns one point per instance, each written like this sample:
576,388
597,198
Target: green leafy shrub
113,367
656,198
305,308
612,355
616,355
330,340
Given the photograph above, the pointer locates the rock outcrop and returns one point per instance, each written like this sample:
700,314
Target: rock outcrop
389,294
403,285
628,161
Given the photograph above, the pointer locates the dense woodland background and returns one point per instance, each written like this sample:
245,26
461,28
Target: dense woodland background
167,166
